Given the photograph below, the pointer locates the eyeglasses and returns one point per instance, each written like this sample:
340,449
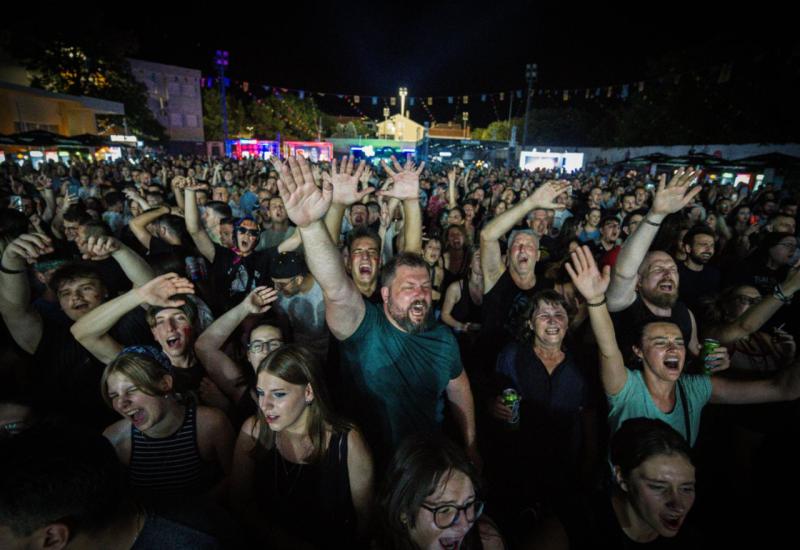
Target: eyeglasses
251,232
446,516
257,346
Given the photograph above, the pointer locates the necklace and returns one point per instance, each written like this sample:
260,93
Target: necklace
296,468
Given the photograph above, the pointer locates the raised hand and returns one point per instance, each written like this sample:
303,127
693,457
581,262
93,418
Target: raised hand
673,196
159,291
100,248
586,277
545,195
366,175
260,300
305,203
43,182
345,181
26,248
406,180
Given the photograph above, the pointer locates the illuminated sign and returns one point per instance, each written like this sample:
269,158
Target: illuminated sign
123,139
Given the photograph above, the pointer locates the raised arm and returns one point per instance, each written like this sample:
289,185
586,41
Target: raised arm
201,239
139,224
491,262
136,269
785,386
593,285
669,198
756,315
306,205
22,320
92,330
452,196
405,188
222,370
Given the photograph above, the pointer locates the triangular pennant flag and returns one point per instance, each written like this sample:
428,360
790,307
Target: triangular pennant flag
565,97
411,101
356,99
483,98
641,85
502,96
519,94
624,92
430,101
374,100
465,99
450,99
392,101
245,86
301,94
587,93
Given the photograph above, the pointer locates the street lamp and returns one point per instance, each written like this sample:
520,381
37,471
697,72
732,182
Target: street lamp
531,73
221,61
385,121
403,94
465,119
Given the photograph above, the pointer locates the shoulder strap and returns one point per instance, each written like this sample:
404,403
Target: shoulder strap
685,407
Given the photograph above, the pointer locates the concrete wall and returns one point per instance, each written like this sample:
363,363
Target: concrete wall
730,152
62,116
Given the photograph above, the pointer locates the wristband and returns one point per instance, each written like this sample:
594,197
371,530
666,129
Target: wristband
654,224
778,293
598,304
11,271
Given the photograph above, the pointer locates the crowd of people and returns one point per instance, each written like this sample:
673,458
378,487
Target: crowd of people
219,353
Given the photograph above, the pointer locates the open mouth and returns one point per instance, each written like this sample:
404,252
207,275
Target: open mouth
80,307
666,286
552,330
418,309
672,363
450,543
173,342
272,418
365,269
137,416
672,523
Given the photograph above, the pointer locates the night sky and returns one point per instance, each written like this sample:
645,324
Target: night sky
439,48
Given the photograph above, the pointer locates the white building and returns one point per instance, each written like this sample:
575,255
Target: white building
401,128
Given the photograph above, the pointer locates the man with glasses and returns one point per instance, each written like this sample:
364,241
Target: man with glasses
237,270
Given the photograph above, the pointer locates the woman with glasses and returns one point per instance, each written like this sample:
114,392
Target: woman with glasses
237,383
301,476
431,500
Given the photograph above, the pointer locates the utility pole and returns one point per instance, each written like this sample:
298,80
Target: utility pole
221,60
531,72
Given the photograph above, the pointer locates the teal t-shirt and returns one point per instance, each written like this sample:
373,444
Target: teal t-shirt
634,401
398,380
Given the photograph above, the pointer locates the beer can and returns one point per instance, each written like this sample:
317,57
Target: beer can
511,399
710,345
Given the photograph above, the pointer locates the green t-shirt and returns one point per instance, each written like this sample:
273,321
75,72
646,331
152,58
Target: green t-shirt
398,380
634,401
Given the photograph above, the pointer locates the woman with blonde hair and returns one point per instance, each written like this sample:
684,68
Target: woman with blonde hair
296,464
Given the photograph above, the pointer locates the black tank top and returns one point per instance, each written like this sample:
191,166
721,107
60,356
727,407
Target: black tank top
170,466
465,310
299,496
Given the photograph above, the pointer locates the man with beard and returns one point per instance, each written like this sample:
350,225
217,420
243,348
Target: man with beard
234,271
400,365
644,286
698,278
607,248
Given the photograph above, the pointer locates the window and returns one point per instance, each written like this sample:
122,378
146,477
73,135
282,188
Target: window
191,121
187,90
175,120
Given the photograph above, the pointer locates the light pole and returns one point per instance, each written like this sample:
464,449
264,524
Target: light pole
531,72
465,119
221,61
385,121
403,94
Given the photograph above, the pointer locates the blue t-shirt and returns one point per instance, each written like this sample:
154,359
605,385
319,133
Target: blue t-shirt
397,379
635,401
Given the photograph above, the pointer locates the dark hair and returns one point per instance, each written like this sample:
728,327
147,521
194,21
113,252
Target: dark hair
220,208
549,297
418,466
408,259
363,232
641,438
688,238
13,223
74,270
76,213
189,308
113,198
95,228
59,475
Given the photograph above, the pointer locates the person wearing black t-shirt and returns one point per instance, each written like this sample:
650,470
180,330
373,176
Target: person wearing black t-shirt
235,271
507,288
66,374
644,286
698,278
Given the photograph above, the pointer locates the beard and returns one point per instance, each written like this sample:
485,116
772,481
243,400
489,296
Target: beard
403,318
659,298
699,259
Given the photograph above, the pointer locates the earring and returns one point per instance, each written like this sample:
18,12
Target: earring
309,401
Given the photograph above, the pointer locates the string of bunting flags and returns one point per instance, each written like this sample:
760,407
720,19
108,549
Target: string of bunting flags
716,75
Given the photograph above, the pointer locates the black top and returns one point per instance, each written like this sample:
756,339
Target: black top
235,276
466,310
310,501
628,321
160,533
67,376
695,285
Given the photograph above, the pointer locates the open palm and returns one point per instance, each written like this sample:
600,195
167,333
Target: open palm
305,203
405,178
673,196
545,196
345,182
586,277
